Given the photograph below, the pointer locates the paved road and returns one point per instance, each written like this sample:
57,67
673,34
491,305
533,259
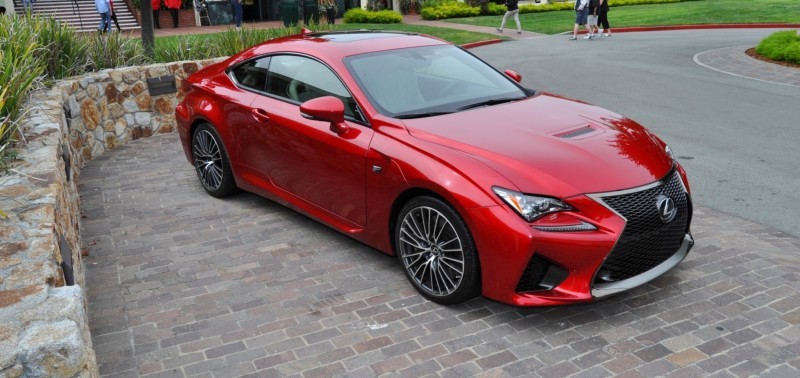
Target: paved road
182,284
737,137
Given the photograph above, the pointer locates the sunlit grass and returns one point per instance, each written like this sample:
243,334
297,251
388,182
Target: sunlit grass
685,13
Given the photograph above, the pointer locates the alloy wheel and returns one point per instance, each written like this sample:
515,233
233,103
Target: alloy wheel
208,159
431,251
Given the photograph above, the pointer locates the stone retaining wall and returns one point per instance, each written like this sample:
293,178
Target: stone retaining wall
44,328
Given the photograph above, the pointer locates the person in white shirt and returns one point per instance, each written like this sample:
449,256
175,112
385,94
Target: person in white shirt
104,8
581,14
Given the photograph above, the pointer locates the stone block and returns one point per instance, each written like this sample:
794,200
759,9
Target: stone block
131,76
93,91
143,119
53,350
115,110
90,114
120,126
143,102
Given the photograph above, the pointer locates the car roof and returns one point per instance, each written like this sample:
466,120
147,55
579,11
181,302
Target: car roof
340,44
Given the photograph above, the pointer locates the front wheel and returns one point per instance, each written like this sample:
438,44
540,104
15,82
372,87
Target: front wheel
211,162
436,251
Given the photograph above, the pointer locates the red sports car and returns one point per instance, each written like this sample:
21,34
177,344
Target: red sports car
421,150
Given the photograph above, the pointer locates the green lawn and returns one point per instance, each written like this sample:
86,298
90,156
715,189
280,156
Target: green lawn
685,13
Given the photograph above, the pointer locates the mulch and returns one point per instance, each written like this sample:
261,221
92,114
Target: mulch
752,52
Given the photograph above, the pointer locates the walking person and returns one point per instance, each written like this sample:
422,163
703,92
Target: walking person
113,16
104,8
581,15
591,19
27,6
237,13
513,10
156,11
602,19
173,6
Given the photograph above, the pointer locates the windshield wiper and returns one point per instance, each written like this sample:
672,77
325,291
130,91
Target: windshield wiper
491,102
420,115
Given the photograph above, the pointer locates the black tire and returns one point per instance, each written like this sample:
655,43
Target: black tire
211,162
436,251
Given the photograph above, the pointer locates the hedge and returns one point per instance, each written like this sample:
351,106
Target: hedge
782,45
450,10
361,16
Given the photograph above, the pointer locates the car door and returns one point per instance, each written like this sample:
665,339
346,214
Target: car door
305,157
250,78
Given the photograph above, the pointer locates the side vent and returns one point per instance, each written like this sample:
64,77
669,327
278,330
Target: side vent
574,133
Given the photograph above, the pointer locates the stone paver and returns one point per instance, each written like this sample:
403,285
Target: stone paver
734,60
180,283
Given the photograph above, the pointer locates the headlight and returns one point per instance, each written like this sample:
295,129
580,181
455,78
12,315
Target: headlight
669,153
530,207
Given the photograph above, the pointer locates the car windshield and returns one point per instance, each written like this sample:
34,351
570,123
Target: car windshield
427,81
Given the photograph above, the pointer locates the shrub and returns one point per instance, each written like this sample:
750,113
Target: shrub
493,9
361,16
410,6
114,50
65,49
551,7
782,45
22,65
451,9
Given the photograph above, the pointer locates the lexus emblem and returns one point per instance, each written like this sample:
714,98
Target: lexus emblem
666,208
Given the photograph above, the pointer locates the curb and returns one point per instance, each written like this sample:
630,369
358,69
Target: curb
704,26
481,43
632,29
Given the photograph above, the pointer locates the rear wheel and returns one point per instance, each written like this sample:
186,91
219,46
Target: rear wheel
436,251
211,162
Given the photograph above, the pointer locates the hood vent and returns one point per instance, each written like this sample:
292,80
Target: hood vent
574,133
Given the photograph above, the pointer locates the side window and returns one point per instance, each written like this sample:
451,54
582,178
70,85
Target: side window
301,79
253,74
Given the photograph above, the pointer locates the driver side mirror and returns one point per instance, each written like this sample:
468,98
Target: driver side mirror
514,75
328,109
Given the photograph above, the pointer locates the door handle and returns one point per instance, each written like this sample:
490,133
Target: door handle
260,115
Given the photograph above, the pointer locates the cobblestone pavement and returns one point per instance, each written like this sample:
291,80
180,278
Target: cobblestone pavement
183,284
735,61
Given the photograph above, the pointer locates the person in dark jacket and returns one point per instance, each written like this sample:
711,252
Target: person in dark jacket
174,7
602,19
513,10
156,10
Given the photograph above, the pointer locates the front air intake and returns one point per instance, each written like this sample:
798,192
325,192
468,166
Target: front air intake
540,274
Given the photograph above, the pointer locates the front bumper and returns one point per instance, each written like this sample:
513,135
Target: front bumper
605,289
568,265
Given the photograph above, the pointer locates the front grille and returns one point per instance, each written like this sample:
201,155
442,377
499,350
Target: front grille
646,240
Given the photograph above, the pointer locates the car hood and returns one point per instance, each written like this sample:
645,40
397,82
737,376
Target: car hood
552,146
